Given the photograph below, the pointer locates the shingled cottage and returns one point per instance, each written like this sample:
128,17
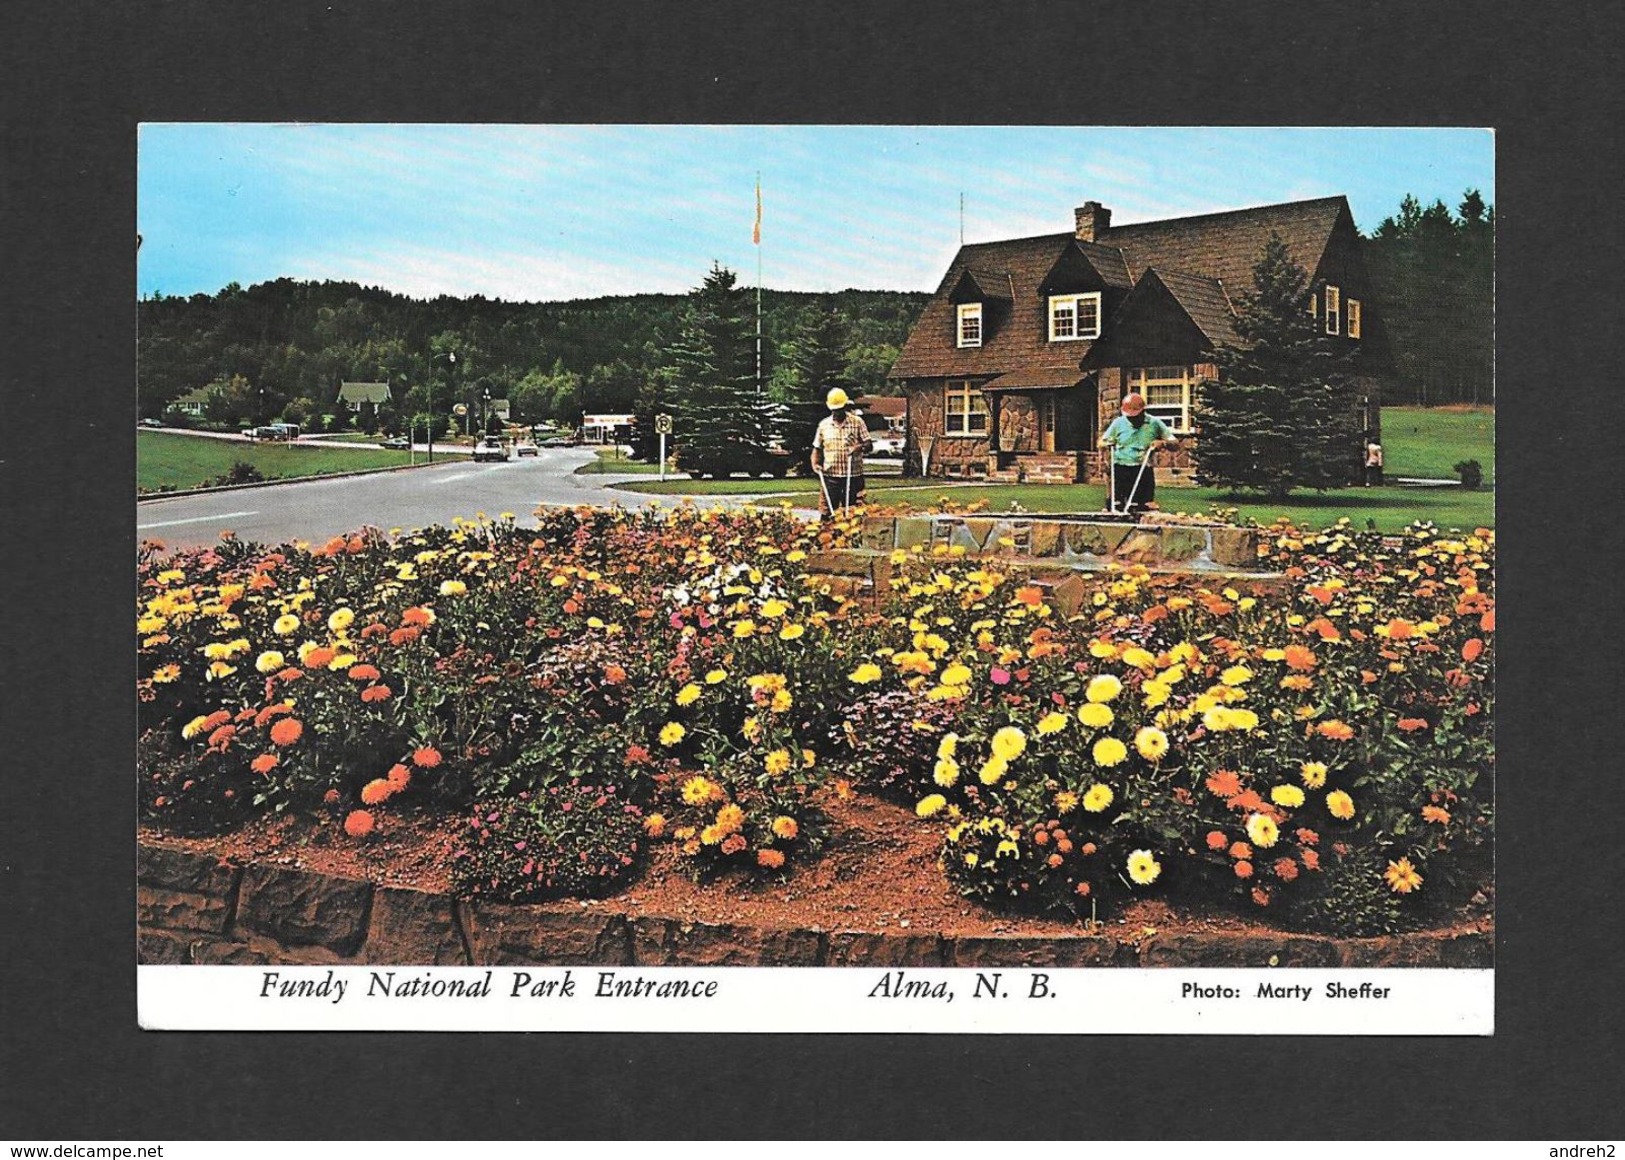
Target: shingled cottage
1020,358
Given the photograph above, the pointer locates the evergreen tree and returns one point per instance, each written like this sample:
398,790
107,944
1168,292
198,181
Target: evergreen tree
714,398
1282,413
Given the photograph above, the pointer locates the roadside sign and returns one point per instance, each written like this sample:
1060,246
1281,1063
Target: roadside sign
460,409
663,424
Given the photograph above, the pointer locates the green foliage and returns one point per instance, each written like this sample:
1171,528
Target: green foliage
1471,472
1347,898
575,840
716,403
1433,279
1282,414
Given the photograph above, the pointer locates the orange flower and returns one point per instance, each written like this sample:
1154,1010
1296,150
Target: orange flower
270,713
1261,896
289,675
1285,869
1311,859
1307,836
1486,623
331,797
264,763
1244,869
1325,629
375,693
1335,730
376,628
318,658
1436,814
1471,650
1322,594
375,791
426,757
404,635
733,843
363,673
1224,783
287,731
1030,595
1215,840
1412,724
417,616
1400,630
1367,677
220,739
358,824
770,859
786,827
1299,658
1240,850
214,720
614,675
1083,889
398,776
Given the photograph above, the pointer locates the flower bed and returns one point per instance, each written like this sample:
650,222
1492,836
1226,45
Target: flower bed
1317,753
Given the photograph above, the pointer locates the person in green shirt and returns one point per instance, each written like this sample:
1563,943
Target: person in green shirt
1131,436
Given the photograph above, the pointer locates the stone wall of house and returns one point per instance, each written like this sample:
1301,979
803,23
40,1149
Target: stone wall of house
193,909
1017,418
951,455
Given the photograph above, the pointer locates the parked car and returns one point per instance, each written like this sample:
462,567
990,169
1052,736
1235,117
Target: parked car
886,446
721,462
152,423
559,441
491,449
396,443
524,449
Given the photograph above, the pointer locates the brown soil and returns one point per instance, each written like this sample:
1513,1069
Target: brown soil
878,873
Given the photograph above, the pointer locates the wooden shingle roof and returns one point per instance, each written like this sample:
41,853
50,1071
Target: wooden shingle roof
1201,260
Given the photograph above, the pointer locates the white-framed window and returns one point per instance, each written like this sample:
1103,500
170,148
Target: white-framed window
1334,310
970,324
964,410
1074,316
1354,318
1314,305
1167,392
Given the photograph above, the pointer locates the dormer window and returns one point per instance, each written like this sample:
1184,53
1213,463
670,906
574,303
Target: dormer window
1074,316
970,324
1334,310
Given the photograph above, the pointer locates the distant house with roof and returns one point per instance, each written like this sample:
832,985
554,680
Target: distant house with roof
195,401
353,396
1021,357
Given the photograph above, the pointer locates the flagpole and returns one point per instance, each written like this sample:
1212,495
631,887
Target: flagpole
756,236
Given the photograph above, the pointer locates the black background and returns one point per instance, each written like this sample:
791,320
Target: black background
77,77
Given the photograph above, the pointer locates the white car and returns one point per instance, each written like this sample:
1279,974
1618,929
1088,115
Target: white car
524,449
491,449
886,446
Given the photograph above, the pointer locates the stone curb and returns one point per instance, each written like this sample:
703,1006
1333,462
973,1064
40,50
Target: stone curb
194,908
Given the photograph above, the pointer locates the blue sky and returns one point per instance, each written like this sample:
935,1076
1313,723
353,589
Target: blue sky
549,212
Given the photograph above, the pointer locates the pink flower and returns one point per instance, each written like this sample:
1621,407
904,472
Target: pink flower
1000,676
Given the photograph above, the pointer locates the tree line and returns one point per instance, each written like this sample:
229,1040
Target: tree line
280,349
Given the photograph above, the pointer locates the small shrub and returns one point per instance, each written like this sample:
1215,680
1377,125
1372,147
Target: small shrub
1349,899
183,794
572,841
1471,472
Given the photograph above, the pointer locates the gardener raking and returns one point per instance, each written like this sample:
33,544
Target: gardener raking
838,451
1132,437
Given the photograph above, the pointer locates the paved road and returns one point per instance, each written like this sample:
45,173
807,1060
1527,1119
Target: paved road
318,509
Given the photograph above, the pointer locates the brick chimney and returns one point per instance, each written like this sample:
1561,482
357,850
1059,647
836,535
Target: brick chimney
1094,219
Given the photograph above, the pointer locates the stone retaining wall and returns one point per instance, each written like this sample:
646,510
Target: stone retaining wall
192,908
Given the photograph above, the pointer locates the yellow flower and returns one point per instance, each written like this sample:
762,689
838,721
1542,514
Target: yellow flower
341,619
716,676
752,728
1340,805
341,661
808,759
781,701
1109,751
1236,675
1143,868
286,625
1262,830
744,628
699,790
1051,723
1313,773
993,770
1066,801
1095,715
452,588
792,632
1102,650
1151,742
193,727
777,762
946,772
1009,743
956,674
948,744
1289,796
865,674
730,818
711,835
164,674
971,859
688,694
1402,876
270,661
774,609
930,805
1139,658
1097,797
671,733
1156,694
785,827
1007,848
1103,688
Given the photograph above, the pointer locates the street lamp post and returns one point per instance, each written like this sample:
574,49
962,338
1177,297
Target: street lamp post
451,358
485,410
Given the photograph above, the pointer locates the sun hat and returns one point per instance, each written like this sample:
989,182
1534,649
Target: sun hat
1133,404
836,399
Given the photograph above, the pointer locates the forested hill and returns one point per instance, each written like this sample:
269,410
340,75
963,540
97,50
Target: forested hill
284,346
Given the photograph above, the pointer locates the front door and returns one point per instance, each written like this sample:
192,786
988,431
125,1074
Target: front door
1046,421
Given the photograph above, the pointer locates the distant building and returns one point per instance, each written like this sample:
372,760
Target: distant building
194,402
607,428
892,409
1021,357
353,395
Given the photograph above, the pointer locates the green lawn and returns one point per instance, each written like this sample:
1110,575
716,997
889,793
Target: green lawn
183,461
1428,442
610,461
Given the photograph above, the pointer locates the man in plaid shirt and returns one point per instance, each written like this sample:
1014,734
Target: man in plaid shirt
838,450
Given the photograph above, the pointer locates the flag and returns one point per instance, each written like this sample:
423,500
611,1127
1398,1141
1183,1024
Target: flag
756,230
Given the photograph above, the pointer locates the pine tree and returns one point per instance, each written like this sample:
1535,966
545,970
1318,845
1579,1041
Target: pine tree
715,403
1282,413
